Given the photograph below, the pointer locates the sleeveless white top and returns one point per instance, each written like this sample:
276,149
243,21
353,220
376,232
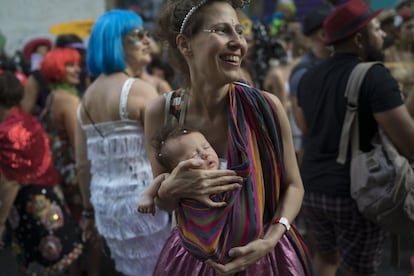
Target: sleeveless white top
120,171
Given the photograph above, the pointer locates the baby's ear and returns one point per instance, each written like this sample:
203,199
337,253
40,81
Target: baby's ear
183,45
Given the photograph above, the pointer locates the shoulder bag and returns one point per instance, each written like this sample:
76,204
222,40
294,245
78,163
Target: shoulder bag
382,180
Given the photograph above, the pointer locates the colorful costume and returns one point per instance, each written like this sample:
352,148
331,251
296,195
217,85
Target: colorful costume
63,155
120,172
45,238
255,147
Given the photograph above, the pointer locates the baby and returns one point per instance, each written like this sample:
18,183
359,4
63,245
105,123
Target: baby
175,145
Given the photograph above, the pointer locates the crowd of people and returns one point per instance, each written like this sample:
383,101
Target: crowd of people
207,147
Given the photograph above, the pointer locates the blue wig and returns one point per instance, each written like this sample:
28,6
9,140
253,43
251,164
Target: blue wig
105,52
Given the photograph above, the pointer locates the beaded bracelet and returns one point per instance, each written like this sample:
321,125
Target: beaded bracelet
89,214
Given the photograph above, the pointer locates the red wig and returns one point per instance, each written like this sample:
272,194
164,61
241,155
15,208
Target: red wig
54,62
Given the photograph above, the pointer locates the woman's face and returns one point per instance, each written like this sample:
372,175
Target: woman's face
72,72
137,48
407,30
218,48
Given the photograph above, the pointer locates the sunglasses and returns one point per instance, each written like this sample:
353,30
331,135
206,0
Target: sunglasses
139,34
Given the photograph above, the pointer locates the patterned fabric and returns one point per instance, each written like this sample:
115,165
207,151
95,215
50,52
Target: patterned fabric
176,260
361,242
255,146
45,239
254,140
63,155
24,150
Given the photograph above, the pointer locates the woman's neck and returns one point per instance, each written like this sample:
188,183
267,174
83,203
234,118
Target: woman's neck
133,73
207,101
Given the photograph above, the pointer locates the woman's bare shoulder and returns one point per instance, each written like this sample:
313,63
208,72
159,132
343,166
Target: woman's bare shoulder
156,107
63,97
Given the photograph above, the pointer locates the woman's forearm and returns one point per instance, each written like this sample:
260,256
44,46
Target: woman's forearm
83,166
290,204
84,179
164,199
289,207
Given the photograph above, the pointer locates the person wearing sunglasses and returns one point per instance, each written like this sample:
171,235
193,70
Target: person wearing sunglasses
112,163
136,37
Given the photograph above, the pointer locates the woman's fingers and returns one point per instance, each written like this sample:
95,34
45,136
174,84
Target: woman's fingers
188,181
209,202
189,164
220,184
243,257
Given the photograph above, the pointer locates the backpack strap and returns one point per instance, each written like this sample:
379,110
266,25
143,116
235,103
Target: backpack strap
175,107
351,123
167,117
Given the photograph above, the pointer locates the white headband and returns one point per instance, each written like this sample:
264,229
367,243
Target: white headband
240,4
190,12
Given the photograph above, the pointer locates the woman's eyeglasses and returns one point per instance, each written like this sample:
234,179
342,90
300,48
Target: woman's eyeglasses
226,30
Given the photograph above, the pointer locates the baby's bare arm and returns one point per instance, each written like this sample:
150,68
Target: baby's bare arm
152,189
146,203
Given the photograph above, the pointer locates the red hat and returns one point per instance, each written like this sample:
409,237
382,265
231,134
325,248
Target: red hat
30,46
347,19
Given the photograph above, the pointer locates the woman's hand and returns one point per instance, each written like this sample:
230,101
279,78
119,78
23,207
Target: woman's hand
187,181
89,231
243,257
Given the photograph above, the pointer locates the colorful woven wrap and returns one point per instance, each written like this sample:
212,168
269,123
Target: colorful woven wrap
255,151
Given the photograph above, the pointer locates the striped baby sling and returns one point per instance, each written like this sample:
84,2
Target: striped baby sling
255,152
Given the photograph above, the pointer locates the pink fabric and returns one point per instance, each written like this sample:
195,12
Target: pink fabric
175,260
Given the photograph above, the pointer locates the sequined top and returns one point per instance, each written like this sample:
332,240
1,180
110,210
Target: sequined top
24,150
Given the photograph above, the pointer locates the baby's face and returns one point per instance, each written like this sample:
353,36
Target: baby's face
192,145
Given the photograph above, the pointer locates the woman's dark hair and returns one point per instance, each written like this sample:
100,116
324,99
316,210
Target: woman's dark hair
159,63
169,21
62,41
11,90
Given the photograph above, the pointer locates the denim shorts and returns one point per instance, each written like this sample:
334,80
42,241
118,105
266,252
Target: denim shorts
337,226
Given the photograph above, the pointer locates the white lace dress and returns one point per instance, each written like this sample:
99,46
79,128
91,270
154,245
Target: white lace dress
120,171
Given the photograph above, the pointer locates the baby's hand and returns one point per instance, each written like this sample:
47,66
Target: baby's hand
146,205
